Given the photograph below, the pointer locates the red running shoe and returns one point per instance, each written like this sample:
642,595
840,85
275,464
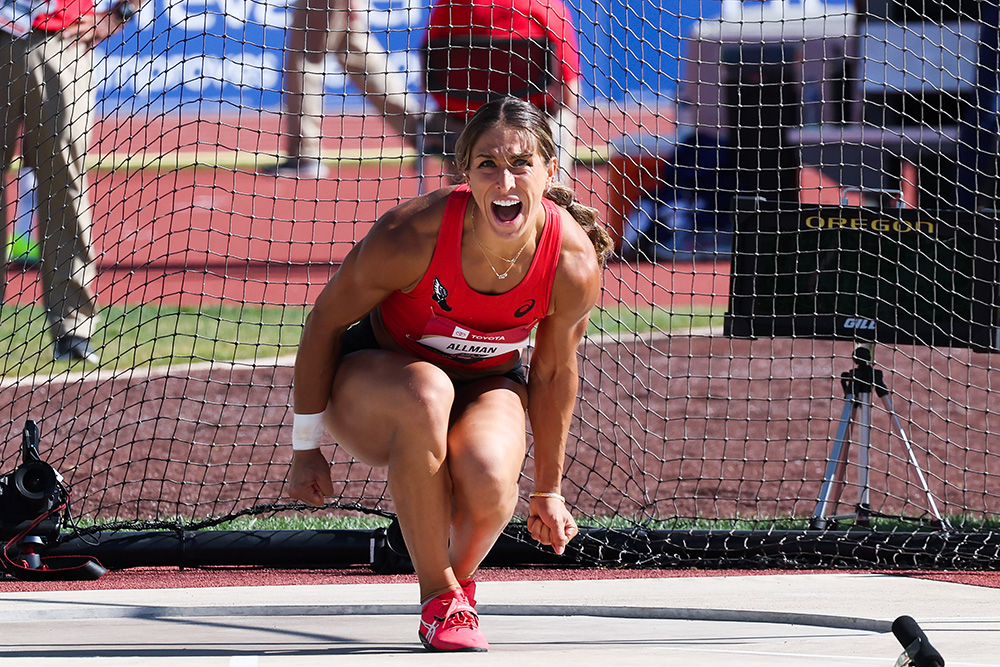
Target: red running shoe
469,588
449,623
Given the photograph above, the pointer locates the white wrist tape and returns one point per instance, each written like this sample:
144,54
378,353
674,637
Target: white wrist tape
307,431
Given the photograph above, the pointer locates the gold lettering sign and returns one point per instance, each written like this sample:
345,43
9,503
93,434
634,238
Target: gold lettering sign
875,224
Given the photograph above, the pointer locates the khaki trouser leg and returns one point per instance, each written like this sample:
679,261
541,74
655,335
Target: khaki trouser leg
366,62
563,122
58,118
304,77
563,125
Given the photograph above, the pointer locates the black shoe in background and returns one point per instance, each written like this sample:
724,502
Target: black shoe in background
75,348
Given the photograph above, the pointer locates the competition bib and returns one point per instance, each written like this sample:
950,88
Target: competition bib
465,345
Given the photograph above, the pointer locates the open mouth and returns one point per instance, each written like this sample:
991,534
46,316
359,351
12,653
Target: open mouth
506,211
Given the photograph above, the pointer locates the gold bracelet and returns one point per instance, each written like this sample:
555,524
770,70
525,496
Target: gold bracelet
539,494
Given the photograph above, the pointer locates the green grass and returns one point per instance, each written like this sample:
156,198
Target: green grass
624,320
155,335
300,521
316,521
305,522
773,523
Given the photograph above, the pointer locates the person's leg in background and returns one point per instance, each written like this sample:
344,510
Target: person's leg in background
58,117
366,62
563,120
321,27
303,89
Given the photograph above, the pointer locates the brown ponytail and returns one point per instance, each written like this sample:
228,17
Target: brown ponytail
587,217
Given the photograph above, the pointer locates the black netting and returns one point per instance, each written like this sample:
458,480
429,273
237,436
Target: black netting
802,193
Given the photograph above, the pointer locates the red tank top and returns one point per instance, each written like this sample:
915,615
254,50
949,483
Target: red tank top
446,322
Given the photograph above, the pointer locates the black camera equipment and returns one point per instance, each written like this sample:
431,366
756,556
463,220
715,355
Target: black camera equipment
33,504
31,494
918,651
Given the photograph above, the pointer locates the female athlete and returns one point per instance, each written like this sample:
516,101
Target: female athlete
412,358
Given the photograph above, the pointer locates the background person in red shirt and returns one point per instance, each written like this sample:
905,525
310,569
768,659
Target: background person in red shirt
463,72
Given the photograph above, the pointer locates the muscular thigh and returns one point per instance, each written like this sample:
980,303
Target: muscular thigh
382,399
486,441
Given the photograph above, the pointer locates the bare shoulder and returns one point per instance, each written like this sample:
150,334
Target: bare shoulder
412,222
401,242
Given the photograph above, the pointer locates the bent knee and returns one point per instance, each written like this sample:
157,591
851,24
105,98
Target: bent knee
485,494
388,384
424,392
348,33
488,506
378,405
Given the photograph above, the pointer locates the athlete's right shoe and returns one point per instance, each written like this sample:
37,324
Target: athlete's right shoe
449,623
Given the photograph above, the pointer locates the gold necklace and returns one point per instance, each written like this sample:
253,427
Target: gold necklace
484,250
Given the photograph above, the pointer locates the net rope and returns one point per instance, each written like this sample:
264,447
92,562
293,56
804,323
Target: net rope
787,182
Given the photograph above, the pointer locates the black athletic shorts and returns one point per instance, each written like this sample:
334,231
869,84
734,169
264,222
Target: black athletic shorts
361,336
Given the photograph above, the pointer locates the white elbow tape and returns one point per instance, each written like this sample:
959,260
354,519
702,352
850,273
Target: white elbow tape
307,431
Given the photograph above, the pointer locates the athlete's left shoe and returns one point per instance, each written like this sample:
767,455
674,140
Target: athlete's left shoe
449,623
298,167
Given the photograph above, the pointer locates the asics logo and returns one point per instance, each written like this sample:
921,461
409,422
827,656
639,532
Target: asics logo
430,629
525,309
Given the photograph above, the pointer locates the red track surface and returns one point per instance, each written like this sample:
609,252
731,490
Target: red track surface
193,235
144,578
190,235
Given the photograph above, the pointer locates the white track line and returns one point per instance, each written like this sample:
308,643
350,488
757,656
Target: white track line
143,372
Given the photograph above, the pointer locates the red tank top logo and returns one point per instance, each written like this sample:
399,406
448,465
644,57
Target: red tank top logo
525,309
440,294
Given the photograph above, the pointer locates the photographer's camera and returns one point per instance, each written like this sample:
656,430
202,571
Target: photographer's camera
30,493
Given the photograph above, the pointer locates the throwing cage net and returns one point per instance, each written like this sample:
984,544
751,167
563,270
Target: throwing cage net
792,359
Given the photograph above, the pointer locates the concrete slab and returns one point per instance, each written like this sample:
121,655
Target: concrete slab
775,620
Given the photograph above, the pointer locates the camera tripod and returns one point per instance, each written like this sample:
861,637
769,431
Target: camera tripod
859,384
